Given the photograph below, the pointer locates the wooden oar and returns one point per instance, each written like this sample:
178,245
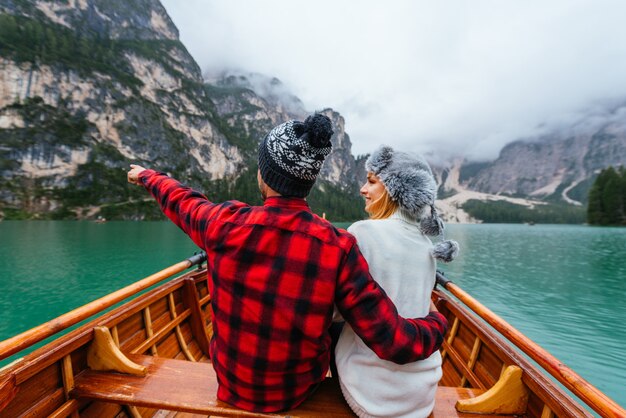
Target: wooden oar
43,331
597,400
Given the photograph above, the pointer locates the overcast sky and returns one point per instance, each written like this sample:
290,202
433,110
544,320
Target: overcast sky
437,77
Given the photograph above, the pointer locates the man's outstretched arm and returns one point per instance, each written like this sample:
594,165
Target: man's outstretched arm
187,208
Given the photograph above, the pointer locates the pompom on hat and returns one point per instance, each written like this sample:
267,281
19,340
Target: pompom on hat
292,153
411,184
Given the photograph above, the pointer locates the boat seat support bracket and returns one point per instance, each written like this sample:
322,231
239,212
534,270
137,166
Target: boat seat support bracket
104,355
509,395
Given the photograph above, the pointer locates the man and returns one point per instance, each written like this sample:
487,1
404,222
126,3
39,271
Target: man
275,272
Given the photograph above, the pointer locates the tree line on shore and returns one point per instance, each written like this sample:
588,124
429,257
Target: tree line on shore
607,198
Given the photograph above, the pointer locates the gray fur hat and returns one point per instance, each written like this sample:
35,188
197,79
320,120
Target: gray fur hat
410,183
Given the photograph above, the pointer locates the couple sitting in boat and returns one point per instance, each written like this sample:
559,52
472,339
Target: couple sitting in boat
278,275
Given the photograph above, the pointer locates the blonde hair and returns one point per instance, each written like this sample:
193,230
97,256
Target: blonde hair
383,207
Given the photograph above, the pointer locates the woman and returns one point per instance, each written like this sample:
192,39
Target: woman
400,197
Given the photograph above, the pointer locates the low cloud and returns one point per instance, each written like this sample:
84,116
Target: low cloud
456,78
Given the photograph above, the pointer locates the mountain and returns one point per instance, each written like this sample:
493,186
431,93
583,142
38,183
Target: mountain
89,86
559,166
541,179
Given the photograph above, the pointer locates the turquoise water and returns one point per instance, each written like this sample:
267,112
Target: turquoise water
562,286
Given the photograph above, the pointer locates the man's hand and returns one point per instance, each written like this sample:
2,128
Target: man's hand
133,174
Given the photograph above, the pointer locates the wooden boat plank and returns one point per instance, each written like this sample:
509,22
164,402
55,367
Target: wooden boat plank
451,374
488,364
41,407
133,342
100,410
154,339
160,312
194,349
461,366
143,412
68,409
169,347
185,330
32,391
197,320
179,415
162,321
49,328
8,390
79,360
463,341
202,283
535,405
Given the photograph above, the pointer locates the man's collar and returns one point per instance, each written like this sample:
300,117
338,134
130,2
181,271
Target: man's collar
287,202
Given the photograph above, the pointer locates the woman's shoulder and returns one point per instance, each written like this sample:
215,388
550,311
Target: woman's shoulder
361,228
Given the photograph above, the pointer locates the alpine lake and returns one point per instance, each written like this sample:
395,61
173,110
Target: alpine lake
563,286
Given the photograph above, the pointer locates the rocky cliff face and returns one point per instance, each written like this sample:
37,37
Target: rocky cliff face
88,86
116,19
560,166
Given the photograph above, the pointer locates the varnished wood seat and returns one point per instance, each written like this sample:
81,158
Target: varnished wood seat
191,387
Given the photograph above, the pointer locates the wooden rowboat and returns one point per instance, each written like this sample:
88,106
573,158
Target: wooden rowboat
149,358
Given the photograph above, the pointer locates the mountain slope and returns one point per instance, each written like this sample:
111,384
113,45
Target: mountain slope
89,86
556,167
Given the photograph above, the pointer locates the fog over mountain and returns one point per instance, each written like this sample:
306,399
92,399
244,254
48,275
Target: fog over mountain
88,87
453,78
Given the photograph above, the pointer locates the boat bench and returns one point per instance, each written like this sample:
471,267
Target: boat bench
186,386
191,387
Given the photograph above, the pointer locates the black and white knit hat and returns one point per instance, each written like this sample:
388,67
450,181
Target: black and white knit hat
410,183
291,155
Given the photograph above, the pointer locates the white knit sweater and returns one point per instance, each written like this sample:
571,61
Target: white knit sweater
399,259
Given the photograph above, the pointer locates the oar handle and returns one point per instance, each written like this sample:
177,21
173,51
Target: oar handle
595,399
43,331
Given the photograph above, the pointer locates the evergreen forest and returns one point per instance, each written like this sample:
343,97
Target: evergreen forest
607,198
506,212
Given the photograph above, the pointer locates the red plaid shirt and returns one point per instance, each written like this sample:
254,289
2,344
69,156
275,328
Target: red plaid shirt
275,273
